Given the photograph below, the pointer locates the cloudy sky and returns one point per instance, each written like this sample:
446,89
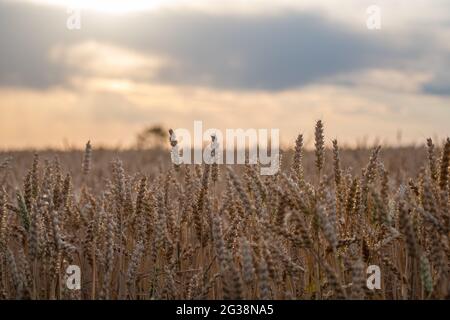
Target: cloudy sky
233,64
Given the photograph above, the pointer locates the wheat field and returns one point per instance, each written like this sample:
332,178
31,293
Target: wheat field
139,227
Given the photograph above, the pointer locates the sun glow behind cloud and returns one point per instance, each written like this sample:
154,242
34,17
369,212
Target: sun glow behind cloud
397,14
107,6
106,60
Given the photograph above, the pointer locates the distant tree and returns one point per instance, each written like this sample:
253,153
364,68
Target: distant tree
152,137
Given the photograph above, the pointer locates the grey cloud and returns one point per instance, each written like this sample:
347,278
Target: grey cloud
270,53
24,47
274,52
441,89
440,84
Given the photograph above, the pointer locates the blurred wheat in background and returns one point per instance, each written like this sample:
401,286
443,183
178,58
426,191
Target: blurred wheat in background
140,228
